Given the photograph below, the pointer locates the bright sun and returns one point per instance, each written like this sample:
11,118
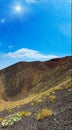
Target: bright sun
18,8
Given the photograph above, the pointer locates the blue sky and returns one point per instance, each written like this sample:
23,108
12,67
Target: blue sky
32,30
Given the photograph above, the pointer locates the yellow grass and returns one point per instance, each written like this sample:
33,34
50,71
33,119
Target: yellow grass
39,101
9,110
24,113
34,97
43,114
32,104
1,119
52,97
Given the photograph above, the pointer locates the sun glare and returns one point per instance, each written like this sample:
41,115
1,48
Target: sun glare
18,8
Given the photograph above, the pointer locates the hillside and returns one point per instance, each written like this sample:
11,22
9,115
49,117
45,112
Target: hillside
36,95
25,78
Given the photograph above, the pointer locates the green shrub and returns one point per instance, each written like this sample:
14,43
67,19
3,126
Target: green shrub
10,120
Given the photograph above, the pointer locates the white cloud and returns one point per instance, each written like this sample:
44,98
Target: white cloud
65,29
10,46
0,43
70,1
25,53
35,1
31,1
2,20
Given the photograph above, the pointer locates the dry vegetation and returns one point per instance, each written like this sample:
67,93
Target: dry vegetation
44,113
52,98
25,82
32,104
1,119
35,97
39,101
24,113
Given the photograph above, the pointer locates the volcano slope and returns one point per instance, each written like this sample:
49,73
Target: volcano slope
42,88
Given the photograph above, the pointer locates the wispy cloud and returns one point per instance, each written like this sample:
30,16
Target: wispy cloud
2,20
31,1
36,1
0,43
70,1
65,29
10,46
25,53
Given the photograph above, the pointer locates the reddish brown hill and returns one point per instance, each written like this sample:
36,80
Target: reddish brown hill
23,78
58,62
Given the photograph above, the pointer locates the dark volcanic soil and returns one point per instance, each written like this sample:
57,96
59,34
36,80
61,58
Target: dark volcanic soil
60,120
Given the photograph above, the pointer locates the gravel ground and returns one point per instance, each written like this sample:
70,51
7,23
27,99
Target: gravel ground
60,120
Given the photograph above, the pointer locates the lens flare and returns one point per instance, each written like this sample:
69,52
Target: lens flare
18,8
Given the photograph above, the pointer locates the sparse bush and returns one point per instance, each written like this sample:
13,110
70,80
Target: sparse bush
32,104
1,119
9,110
12,119
52,97
43,114
39,101
24,113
